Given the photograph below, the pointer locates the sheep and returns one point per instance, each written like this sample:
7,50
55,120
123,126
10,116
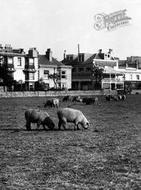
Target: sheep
55,102
77,99
39,117
52,103
73,116
108,97
88,101
66,98
114,97
120,97
96,100
124,97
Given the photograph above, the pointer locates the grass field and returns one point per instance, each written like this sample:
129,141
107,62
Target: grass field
107,156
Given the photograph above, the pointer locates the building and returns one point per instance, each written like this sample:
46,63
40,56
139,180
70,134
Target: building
83,64
53,73
13,60
131,67
31,69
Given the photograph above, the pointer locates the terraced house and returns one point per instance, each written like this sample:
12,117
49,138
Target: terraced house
31,69
83,65
132,70
13,60
27,70
53,73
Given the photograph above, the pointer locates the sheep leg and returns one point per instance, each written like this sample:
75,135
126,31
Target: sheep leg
38,124
28,126
59,124
44,127
76,125
64,125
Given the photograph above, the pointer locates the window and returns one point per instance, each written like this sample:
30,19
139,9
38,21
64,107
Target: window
81,69
26,76
63,74
19,61
10,60
74,70
31,76
31,61
1,60
138,77
46,74
70,57
88,69
63,85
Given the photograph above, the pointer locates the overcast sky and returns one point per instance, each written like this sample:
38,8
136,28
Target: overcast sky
62,24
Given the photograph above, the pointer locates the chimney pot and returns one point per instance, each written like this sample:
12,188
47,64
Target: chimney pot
100,51
49,54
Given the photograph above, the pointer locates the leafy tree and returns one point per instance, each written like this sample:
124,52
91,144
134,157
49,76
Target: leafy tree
97,76
55,77
40,85
6,77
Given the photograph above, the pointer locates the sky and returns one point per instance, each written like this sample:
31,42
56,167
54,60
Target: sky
63,24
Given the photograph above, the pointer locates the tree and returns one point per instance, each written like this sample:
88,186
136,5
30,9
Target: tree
40,85
55,77
97,76
6,77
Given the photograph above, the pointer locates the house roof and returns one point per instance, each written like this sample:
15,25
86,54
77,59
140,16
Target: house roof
44,61
89,60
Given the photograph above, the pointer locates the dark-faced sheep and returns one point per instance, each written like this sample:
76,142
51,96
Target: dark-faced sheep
89,101
77,99
71,115
39,117
52,103
66,98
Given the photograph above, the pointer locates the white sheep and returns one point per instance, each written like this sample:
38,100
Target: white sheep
71,115
39,117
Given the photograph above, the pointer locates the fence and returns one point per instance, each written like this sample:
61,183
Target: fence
49,93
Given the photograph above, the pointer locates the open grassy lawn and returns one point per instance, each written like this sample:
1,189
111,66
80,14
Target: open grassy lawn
107,156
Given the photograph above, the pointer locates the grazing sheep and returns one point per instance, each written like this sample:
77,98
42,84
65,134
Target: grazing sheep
77,99
108,97
88,101
71,115
96,100
120,97
124,97
66,98
48,103
114,97
39,117
55,102
52,103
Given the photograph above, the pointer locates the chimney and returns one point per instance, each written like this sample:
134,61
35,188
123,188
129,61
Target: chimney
78,49
78,52
110,50
100,51
64,54
32,52
49,54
